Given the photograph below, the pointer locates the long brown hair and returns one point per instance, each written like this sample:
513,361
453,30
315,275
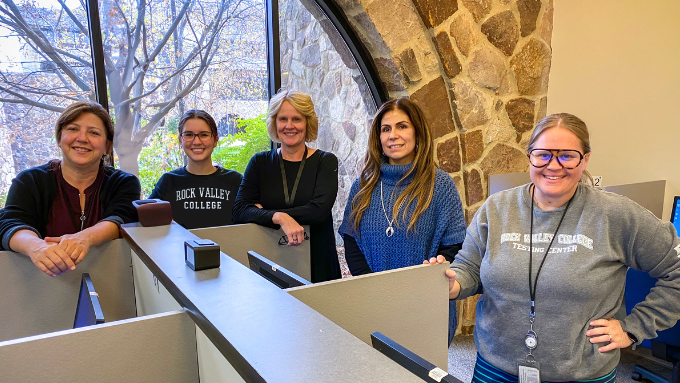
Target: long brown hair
572,124
420,189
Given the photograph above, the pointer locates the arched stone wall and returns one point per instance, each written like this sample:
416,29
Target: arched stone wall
478,68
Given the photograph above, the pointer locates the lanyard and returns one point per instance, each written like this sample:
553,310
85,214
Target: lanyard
531,340
290,199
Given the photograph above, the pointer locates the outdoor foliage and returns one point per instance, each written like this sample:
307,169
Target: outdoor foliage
161,57
235,151
164,153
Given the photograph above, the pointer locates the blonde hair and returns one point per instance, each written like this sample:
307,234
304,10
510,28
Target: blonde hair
302,102
420,189
572,124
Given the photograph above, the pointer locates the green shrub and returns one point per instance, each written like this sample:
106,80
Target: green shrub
234,152
3,199
161,155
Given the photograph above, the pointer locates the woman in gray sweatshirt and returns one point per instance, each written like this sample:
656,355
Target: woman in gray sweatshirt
551,258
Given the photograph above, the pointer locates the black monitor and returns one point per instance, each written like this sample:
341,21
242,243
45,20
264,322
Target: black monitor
274,273
89,311
410,361
675,214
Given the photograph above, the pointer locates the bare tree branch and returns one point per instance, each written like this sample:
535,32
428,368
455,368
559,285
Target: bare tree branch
129,65
74,57
44,45
41,91
73,17
170,31
25,100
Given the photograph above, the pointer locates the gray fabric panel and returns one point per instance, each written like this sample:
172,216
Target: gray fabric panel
32,303
237,240
409,305
151,349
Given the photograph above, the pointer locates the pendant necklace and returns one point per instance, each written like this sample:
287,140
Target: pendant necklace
390,229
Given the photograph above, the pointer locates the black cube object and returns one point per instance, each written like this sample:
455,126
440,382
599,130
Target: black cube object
201,254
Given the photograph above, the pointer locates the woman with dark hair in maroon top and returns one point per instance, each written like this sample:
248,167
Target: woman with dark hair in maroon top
56,211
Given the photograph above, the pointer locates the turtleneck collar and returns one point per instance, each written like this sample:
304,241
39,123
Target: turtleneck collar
391,174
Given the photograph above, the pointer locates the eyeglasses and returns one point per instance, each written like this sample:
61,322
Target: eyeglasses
284,239
567,158
189,136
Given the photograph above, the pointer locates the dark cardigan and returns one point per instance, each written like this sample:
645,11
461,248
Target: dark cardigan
33,191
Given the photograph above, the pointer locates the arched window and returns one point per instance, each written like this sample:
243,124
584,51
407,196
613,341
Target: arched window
149,61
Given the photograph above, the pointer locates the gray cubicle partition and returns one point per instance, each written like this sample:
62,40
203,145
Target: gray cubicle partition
237,240
263,332
649,195
409,305
498,182
153,349
32,303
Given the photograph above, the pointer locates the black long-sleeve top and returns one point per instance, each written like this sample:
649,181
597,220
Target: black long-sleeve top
314,199
33,191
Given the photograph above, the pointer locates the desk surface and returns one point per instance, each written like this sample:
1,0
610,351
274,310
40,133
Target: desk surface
266,334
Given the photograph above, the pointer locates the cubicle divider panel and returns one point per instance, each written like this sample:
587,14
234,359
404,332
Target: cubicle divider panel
152,298
237,240
409,305
160,348
263,332
499,182
32,303
649,195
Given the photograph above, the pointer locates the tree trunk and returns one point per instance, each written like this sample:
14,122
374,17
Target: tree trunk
128,158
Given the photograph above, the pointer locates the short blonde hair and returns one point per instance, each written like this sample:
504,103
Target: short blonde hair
302,102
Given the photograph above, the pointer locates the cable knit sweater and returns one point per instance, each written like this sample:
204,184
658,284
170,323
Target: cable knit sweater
442,223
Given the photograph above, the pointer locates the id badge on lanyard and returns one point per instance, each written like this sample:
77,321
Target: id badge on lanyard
529,372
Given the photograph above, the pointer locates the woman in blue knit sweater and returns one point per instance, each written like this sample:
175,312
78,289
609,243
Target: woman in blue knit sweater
402,209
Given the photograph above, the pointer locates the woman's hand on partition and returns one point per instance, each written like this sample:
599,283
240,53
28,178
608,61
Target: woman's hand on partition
454,286
293,230
51,259
609,332
75,245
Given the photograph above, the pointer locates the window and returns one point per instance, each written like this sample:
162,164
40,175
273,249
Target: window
168,57
45,65
316,60
160,58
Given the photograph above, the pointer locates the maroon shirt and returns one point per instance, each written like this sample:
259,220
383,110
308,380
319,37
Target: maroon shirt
65,215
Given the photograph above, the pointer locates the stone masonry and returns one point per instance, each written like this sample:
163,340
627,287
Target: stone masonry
478,68
315,60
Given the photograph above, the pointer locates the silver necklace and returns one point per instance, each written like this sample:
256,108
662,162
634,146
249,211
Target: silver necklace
390,230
